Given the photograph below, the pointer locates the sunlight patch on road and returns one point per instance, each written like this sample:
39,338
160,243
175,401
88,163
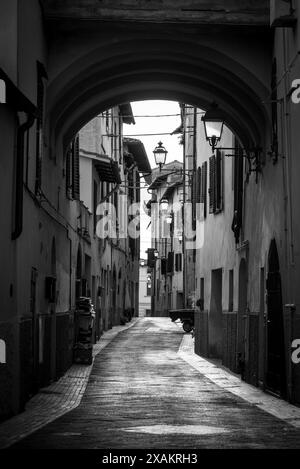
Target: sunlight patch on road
177,430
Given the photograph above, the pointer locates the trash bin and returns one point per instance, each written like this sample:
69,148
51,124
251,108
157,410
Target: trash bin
84,323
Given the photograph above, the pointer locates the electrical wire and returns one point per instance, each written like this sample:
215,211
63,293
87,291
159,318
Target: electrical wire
149,115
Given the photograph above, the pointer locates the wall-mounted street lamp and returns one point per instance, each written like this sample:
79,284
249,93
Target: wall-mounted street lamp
164,205
170,218
214,121
160,155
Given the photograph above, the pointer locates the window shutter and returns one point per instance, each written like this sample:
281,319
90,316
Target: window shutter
75,169
194,199
39,132
238,195
178,262
163,266
68,172
219,180
204,188
211,190
170,266
199,186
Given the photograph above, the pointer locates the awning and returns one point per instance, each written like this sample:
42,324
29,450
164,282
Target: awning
171,188
136,149
158,181
127,114
108,171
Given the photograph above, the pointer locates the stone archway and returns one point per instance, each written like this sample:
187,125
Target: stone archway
97,69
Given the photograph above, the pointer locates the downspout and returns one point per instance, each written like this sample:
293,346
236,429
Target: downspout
19,176
183,210
194,199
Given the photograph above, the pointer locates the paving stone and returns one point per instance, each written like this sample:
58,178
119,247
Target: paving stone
144,391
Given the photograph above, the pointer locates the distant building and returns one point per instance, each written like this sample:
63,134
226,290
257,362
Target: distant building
145,289
167,235
109,173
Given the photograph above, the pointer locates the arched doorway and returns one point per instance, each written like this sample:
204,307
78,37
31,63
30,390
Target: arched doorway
276,369
242,317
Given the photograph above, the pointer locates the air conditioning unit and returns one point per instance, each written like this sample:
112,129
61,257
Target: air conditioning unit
282,14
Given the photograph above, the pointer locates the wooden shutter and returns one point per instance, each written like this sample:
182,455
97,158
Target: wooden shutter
212,178
203,199
163,266
68,172
75,169
199,186
39,132
194,199
178,262
170,266
219,181
238,194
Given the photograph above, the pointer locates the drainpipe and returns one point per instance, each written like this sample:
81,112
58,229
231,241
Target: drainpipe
19,176
194,199
183,213
289,221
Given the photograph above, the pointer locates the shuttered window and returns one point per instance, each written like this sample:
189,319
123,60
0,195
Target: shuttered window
163,266
203,198
194,199
219,181
39,127
216,183
69,172
72,170
199,186
212,178
75,171
237,222
170,265
178,262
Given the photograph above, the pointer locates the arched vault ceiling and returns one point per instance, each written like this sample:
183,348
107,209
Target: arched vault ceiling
179,69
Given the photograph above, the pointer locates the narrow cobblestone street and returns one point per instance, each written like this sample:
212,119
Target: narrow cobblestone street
142,394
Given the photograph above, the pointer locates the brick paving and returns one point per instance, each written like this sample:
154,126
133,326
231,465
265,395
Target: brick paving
147,390
55,400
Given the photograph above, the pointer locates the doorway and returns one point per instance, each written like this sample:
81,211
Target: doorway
276,369
242,318
215,316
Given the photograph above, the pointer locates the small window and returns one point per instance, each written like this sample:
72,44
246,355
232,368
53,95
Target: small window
2,92
2,351
148,292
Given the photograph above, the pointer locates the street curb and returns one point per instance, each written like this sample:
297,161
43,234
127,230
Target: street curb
58,398
231,383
